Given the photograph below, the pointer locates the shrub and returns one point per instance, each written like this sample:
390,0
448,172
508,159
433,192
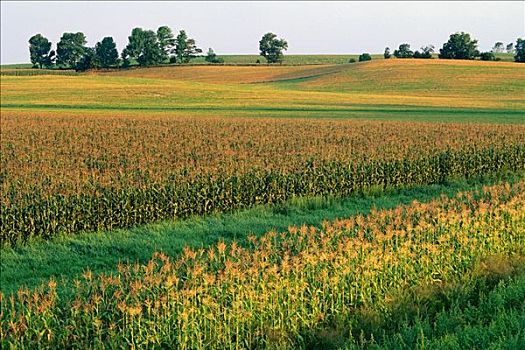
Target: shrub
487,56
404,51
365,57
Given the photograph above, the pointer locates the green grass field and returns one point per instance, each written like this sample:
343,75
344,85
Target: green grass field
420,285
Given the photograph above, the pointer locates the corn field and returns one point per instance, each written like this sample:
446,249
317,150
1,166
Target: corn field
281,287
63,175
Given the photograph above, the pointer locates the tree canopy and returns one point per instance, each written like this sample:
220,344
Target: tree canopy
87,61
498,47
185,48
272,48
520,50
404,51
143,46
426,52
106,53
70,49
460,46
40,51
166,41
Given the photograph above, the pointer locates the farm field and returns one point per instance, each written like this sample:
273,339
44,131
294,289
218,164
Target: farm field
389,89
294,206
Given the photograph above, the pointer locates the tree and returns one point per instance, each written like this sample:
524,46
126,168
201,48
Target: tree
404,51
352,60
498,47
87,61
70,48
143,46
166,41
426,52
487,56
520,50
185,48
272,48
387,54
40,51
510,48
459,46
106,54
211,57
365,57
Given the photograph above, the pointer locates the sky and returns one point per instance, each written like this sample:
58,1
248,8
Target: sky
236,27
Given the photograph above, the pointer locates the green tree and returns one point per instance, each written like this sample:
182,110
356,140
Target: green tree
40,51
272,48
459,46
143,46
185,48
387,54
365,57
106,54
212,57
166,41
498,47
510,48
70,48
87,61
404,51
520,50
426,52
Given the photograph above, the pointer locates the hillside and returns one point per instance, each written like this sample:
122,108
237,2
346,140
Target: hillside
428,89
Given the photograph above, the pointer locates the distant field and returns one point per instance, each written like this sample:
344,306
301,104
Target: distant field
393,89
292,59
288,59
252,59
16,66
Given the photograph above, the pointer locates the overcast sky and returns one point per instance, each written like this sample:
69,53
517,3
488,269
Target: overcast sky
236,27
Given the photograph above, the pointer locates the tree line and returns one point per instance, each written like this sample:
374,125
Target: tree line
461,46
145,48
150,48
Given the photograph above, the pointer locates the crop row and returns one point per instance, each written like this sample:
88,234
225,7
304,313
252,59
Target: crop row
282,287
203,194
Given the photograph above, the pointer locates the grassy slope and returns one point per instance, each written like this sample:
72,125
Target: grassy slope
397,89
67,257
